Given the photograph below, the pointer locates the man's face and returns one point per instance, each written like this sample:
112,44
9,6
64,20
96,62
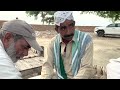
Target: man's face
22,48
66,29
18,49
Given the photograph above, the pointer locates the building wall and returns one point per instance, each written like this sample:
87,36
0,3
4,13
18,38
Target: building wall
51,27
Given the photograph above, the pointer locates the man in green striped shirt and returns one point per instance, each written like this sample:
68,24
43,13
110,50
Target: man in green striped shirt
70,52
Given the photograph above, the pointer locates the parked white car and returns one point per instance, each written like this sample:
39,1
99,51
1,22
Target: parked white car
111,29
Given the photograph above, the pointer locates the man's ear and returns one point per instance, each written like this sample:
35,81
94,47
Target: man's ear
7,38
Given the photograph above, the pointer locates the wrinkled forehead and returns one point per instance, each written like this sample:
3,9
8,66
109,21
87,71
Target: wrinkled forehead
67,22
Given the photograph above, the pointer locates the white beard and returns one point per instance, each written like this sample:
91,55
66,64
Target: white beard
12,52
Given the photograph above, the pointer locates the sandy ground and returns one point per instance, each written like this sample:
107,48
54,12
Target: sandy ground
105,48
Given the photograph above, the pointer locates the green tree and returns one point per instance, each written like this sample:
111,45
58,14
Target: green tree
47,16
113,15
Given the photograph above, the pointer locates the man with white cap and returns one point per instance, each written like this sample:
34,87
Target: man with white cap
16,38
70,52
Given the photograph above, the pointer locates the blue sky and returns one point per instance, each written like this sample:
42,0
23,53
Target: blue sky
81,19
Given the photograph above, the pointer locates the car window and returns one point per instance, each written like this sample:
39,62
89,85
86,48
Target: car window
118,24
111,25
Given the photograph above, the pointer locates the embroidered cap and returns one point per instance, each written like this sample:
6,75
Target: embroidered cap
61,16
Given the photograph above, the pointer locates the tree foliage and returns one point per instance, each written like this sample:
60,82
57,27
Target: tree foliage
113,15
47,16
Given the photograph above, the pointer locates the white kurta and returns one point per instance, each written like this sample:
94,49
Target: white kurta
7,67
113,69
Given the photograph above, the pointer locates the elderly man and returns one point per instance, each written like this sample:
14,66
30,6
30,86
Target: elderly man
16,38
70,53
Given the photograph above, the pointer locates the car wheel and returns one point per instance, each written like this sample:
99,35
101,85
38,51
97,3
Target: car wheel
100,33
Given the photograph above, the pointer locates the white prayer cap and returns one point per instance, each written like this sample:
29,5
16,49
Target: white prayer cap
61,16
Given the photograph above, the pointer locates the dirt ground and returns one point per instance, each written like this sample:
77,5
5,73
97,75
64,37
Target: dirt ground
105,48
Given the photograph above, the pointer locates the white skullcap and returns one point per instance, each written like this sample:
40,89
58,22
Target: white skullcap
61,16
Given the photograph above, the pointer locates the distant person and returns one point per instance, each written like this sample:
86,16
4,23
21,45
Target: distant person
16,38
70,52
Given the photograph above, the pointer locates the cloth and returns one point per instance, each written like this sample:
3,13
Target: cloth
7,67
20,27
61,16
76,51
86,60
113,69
62,69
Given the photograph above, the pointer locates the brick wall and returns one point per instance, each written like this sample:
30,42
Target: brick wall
51,27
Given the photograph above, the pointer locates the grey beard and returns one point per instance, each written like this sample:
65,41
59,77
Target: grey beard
12,52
